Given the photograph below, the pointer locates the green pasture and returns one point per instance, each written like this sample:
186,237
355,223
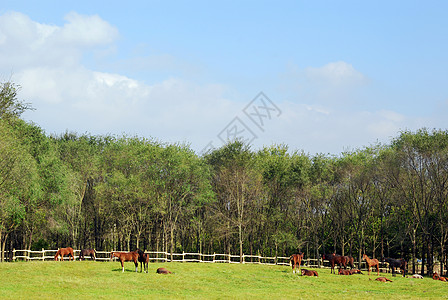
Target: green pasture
105,280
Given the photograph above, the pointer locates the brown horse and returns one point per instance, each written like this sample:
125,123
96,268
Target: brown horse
87,252
344,272
163,271
350,261
64,251
296,259
437,277
372,263
126,256
355,271
335,259
383,279
306,272
143,258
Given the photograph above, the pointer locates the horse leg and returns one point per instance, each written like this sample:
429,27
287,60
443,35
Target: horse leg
122,265
378,269
136,266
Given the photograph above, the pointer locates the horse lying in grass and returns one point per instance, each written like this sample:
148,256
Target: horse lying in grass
163,271
436,276
64,251
306,272
349,272
383,279
126,256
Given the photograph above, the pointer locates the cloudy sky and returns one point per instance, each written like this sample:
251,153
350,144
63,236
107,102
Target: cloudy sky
319,76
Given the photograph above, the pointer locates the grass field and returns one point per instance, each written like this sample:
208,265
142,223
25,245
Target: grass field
87,279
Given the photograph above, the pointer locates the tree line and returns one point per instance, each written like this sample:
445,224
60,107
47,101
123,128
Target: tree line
122,193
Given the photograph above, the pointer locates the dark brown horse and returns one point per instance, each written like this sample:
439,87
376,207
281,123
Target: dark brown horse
350,261
372,263
163,271
335,259
87,252
397,263
296,260
143,258
64,251
306,272
126,256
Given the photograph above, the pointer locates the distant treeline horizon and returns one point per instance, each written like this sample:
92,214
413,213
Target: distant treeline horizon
123,193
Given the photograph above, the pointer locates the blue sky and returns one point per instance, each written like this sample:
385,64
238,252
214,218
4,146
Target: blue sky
342,75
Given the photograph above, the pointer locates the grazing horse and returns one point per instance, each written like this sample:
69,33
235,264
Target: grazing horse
87,252
350,261
126,256
397,263
383,279
163,271
64,251
143,258
296,260
306,272
372,263
437,277
335,259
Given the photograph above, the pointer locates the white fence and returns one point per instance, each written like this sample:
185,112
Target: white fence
155,256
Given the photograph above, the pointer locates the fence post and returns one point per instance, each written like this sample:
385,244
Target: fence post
214,254
259,256
43,254
229,258
13,254
243,259
183,256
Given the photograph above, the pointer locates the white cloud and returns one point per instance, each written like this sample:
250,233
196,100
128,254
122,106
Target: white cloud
46,62
337,73
25,43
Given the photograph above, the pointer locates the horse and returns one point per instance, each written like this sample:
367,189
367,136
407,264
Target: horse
126,256
306,272
143,258
296,259
397,263
355,271
383,279
87,252
437,277
163,271
344,272
64,251
372,263
418,276
335,259
350,261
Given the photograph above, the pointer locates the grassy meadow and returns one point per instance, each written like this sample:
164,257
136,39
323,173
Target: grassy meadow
104,280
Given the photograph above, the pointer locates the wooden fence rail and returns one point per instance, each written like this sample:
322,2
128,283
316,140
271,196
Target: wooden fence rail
155,256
